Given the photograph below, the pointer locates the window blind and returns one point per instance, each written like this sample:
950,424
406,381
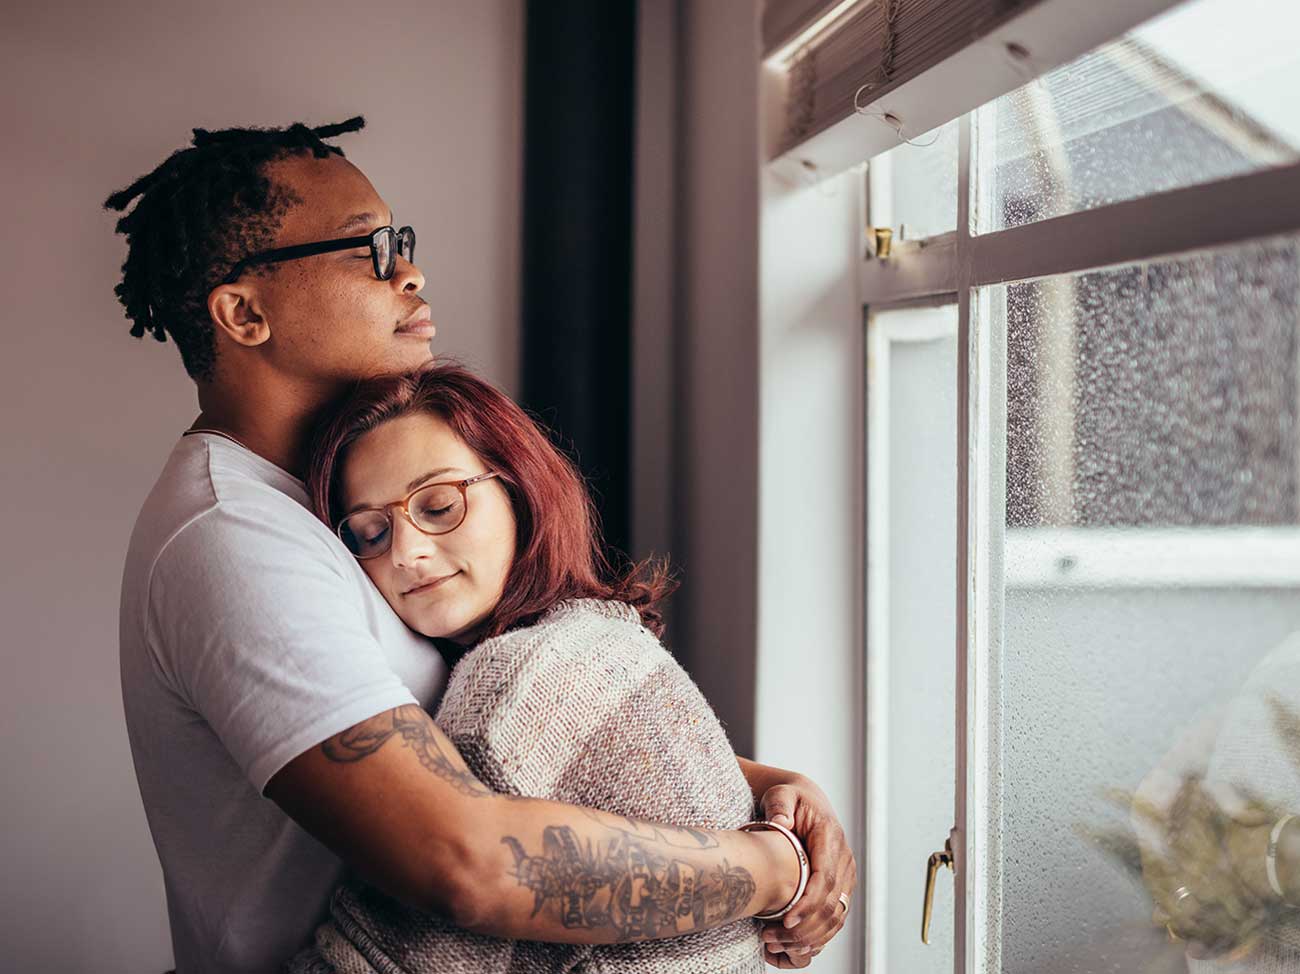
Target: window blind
880,43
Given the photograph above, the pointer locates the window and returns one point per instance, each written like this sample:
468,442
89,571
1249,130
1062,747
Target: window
1083,405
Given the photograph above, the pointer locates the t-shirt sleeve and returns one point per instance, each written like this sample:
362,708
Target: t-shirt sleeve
254,624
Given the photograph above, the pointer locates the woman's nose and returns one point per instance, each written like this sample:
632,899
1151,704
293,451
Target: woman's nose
410,544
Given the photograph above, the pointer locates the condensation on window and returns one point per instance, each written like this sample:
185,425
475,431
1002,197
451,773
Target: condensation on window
1158,394
1186,99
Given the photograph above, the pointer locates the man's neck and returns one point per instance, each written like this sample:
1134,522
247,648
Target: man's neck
273,423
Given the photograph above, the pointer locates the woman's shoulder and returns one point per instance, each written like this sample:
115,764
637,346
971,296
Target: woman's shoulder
575,612
572,631
579,649
575,621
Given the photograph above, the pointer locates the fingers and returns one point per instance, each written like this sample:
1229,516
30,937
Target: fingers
819,915
789,961
777,955
779,805
791,942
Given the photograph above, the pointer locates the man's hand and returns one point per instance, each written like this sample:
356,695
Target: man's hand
802,807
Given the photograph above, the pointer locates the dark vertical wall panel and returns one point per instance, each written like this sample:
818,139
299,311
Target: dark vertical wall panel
579,104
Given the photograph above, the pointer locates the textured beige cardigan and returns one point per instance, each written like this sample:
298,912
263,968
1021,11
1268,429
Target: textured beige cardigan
584,707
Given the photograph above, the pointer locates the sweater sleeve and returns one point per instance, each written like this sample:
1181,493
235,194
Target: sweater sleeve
585,707
590,709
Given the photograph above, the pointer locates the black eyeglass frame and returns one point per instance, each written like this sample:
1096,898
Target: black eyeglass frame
405,505
403,243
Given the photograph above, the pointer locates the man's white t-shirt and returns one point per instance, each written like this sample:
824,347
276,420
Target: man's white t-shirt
248,635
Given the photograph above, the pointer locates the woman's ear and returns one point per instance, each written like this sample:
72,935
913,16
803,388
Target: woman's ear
235,310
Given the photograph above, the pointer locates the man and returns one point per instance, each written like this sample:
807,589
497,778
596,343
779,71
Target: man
257,660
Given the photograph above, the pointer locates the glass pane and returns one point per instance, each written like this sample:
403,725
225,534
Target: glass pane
911,619
914,186
1149,584
1204,92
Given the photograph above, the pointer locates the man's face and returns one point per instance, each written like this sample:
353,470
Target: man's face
330,319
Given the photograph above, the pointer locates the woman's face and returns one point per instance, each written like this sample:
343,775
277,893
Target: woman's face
440,585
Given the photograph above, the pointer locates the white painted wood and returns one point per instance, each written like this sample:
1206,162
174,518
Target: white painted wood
885,836
809,700
1145,558
1255,205
976,74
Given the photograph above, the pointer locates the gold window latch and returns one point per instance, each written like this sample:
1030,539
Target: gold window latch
879,242
937,859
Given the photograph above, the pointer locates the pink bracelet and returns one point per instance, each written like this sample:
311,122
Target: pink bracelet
803,864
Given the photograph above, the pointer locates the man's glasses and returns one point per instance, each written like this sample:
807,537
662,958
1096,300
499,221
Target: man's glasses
385,244
433,508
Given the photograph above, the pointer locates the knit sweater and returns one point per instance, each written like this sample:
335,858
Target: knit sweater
584,707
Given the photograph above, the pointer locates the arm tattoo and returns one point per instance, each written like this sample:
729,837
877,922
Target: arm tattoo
682,836
628,885
416,731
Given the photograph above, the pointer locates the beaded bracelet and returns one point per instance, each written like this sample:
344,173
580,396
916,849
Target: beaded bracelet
803,864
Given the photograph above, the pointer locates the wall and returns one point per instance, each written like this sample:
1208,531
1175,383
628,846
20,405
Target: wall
714,531
96,95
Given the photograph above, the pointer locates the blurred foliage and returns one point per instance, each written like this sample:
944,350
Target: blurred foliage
1196,871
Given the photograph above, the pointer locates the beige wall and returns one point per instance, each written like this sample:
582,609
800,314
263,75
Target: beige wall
94,96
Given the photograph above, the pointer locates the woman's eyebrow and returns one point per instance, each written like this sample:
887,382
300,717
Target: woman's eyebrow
423,478
430,475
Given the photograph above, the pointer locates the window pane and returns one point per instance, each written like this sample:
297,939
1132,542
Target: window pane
1205,92
1150,597
914,186
911,619
1161,393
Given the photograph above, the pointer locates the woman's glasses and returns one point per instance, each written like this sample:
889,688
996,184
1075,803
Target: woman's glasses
385,244
433,508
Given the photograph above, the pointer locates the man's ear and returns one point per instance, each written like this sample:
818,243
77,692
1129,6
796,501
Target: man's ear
236,310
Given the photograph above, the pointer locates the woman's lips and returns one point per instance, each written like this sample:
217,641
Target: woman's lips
429,586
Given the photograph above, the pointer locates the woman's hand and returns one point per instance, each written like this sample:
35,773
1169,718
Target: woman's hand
802,807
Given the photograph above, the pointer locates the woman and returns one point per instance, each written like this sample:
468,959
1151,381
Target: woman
563,690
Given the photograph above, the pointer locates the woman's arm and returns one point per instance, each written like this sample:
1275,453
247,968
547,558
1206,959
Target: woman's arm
394,799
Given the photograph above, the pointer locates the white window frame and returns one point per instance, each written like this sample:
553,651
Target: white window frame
814,284
1257,205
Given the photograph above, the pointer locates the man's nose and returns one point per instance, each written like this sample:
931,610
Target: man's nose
407,276
410,544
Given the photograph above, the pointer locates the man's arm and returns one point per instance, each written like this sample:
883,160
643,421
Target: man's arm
796,802
393,798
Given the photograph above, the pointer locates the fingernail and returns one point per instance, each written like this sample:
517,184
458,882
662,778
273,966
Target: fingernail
776,948
792,921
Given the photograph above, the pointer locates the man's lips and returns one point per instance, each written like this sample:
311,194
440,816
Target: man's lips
429,585
419,324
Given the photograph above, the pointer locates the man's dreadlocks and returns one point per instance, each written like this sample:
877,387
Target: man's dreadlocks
198,213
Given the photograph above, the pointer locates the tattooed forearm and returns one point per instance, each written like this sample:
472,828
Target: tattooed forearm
682,836
628,885
413,726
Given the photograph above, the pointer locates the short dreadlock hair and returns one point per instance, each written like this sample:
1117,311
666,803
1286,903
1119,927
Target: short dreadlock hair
199,212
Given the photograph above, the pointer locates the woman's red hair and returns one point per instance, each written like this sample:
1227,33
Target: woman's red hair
558,554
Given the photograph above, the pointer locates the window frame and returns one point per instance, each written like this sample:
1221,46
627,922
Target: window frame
1158,226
